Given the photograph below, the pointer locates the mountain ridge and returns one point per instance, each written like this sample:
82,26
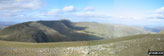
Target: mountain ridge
111,30
162,32
44,31
65,30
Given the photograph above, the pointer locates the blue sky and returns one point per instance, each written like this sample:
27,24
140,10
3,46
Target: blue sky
128,12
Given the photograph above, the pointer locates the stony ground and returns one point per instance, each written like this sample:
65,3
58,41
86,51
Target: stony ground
135,47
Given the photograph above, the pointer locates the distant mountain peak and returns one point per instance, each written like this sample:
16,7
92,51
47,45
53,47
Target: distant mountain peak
45,31
162,32
65,30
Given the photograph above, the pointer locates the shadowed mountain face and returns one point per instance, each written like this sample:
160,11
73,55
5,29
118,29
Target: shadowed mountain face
64,30
45,31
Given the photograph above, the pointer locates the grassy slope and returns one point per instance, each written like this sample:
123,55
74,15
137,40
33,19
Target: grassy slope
110,30
77,43
162,32
44,31
125,46
64,30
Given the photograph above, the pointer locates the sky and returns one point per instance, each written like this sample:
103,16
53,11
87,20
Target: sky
127,12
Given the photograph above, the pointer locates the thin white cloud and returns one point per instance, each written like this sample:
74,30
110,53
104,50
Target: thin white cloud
54,12
89,9
92,15
59,12
69,9
158,14
16,8
161,10
19,5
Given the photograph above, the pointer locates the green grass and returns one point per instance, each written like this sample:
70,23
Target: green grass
42,45
137,45
73,44
107,31
45,31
